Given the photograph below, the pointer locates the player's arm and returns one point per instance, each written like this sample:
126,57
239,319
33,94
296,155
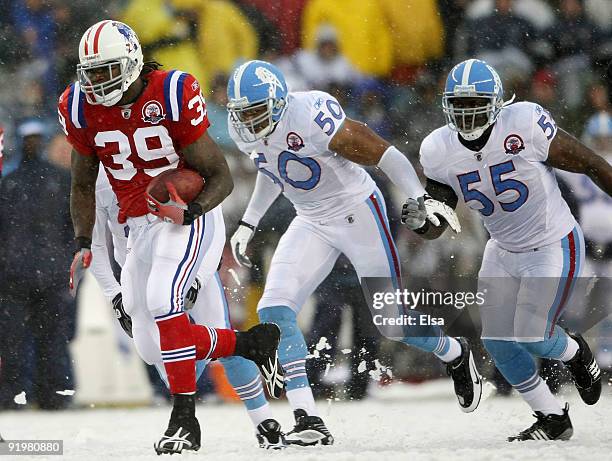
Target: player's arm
206,158
84,171
264,194
358,143
569,154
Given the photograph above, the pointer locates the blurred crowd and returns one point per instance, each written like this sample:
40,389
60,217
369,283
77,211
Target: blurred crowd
385,61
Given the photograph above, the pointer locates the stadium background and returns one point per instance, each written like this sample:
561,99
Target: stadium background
385,60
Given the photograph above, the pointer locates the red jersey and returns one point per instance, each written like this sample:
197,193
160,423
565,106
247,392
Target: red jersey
137,142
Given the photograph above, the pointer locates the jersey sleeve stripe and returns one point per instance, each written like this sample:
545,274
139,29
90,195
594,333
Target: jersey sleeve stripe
167,93
75,104
175,89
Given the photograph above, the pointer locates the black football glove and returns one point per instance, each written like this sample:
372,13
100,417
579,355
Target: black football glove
124,320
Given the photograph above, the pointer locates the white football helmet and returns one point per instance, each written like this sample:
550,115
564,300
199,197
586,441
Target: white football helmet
111,59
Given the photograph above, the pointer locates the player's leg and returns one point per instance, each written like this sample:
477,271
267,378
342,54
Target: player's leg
300,263
366,240
549,278
212,309
176,255
499,279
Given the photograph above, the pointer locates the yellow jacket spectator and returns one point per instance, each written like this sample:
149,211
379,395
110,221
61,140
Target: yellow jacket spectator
165,37
416,30
362,32
225,35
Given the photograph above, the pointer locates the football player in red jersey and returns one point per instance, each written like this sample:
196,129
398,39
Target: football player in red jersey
139,121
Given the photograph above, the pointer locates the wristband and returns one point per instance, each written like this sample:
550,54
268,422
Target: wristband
82,242
246,224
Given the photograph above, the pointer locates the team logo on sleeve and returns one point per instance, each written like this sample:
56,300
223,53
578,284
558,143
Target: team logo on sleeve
153,112
294,141
513,144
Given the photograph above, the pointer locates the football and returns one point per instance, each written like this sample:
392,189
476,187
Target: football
188,185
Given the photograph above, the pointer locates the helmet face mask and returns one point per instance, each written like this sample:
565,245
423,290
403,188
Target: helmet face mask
257,100
472,99
104,82
470,115
110,61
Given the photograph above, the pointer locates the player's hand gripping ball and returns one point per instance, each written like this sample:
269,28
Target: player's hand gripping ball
169,196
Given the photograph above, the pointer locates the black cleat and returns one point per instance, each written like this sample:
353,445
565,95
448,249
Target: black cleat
547,427
260,344
183,431
585,372
308,431
468,382
269,435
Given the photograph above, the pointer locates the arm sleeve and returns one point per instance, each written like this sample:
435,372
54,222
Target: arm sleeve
264,195
188,117
100,264
401,172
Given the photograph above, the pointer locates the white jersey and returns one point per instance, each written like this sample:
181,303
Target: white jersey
296,156
594,206
507,181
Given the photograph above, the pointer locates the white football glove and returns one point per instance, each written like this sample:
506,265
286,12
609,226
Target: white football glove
416,212
239,242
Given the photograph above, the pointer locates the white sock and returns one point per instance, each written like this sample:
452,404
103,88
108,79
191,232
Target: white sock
453,352
570,350
259,415
541,399
301,398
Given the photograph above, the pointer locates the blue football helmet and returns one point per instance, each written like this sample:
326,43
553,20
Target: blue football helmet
476,80
599,126
257,94
598,133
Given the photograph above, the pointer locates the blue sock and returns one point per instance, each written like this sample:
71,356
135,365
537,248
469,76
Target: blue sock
428,338
244,377
551,348
514,362
292,350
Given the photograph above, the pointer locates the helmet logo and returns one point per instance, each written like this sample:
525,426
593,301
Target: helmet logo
513,144
153,112
294,141
131,42
266,77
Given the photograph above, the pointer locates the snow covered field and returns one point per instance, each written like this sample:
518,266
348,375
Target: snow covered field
401,422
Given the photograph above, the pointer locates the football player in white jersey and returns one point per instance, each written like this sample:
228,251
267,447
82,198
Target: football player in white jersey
205,301
498,158
305,147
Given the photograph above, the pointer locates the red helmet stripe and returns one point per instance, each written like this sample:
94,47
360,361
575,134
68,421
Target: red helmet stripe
87,40
97,36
